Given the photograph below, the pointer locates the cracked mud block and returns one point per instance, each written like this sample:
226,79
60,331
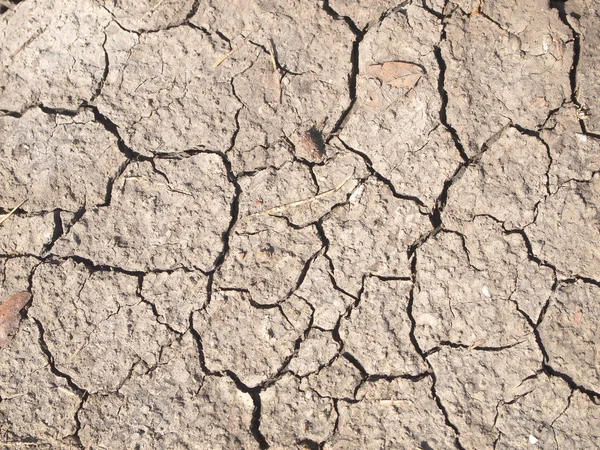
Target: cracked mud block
26,234
67,220
362,12
575,156
395,122
96,327
337,180
318,290
511,70
469,289
377,332
422,172
51,54
579,425
532,288
172,405
471,383
338,165
338,380
229,227
149,15
400,413
277,190
469,7
252,342
267,258
297,312
583,16
175,295
507,182
163,93
312,51
37,405
315,352
56,161
515,17
275,187
260,158
529,417
163,215
569,332
503,257
14,274
291,416
565,232
372,236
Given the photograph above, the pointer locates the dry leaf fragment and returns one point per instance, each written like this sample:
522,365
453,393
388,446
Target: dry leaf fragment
397,73
10,317
277,72
309,145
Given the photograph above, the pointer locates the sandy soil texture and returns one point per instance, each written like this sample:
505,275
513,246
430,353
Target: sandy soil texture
300,224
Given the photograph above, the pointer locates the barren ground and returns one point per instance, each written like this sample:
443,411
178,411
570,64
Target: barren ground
343,224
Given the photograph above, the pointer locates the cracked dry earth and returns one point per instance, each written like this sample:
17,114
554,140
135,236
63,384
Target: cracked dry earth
343,224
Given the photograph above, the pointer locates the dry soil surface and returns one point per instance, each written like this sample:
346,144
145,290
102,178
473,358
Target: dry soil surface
343,224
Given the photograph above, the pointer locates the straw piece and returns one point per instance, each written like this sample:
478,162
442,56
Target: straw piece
282,208
5,218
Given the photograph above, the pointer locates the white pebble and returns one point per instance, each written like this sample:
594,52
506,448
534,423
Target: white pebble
532,439
486,292
356,194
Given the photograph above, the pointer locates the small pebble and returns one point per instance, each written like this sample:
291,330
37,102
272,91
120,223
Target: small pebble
355,197
486,292
532,439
